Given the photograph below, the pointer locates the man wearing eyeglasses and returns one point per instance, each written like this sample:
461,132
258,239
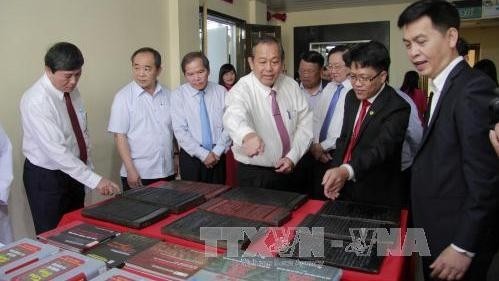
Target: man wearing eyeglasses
368,151
328,116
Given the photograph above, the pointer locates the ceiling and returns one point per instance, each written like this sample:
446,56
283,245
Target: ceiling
306,5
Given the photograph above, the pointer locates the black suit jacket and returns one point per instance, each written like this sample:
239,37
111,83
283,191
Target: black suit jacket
455,174
376,157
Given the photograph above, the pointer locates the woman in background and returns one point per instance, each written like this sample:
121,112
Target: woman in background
411,88
227,77
488,67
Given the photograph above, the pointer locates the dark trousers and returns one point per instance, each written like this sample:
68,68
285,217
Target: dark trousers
51,194
406,186
145,182
193,169
266,177
310,173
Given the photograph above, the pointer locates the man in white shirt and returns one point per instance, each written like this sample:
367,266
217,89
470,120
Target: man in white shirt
328,116
311,84
310,72
197,110
141,123
268,120
6,176
55,141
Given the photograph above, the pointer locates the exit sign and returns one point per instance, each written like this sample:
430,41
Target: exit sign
469,9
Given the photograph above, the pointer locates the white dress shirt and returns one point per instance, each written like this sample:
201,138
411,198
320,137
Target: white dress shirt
187,121
248,110
146,121
48,137
334,130
437,84
6,172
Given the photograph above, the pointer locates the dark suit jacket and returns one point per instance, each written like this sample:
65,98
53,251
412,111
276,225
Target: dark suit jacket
455,174
376,157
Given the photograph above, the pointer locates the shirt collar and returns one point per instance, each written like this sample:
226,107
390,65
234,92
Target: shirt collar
265,88
137,90
194,92
438,83
52,90
319,90
346,84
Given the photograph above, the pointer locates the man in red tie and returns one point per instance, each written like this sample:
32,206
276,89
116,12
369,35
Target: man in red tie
269,121
55,141
367,157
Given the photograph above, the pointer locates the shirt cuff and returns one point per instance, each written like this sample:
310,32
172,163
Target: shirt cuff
4,196
326,146
351,174
462,251
292,155
241,133
202,153
218,150
93,180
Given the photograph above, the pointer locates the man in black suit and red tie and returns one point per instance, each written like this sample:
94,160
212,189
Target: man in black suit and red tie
455,174
368,151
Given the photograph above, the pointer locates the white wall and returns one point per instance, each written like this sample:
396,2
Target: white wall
488,40
107,32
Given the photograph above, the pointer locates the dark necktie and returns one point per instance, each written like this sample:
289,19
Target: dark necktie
329,114
205,123
356,129
283,133
76,128
426,117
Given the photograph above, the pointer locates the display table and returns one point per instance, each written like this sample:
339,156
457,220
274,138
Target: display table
392,269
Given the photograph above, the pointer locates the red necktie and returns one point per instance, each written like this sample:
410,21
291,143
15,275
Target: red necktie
76,128
355,136
283,133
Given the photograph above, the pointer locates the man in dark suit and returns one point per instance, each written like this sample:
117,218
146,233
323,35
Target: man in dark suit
368,151
455,174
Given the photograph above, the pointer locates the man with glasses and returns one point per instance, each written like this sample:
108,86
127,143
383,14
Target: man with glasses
368,151
328,116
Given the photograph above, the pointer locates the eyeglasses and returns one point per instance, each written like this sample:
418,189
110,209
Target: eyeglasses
335,66
362,79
